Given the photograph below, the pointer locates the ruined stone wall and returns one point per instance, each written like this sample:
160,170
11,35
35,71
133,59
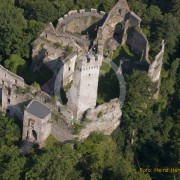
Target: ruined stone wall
105,119
156,66
8,78
115,16
134,20
138,42
68,68
61,132
14,103
77,22
83,93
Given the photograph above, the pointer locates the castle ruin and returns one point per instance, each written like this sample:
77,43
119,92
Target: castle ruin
74,50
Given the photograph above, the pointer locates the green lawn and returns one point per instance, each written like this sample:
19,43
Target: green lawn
123,52
108,87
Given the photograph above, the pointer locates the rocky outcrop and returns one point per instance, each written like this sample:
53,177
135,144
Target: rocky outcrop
105,118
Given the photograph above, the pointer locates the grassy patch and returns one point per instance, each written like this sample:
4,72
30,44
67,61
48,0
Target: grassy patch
100,114
68,86
105,67
123,52
77,128
57,45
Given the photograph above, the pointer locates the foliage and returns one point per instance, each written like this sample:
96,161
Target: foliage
149,131
12,30
77,128
100,114
50,142
36,86
12,163
16,64
68,50
68,86
9,131
57,162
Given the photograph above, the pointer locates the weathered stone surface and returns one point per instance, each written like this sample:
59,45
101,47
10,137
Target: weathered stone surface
138,43
35,128
83,93
105,118
8,78
81,67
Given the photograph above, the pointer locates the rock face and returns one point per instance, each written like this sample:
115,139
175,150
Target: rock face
105,118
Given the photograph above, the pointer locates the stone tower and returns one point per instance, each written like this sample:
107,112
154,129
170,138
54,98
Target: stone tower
83,93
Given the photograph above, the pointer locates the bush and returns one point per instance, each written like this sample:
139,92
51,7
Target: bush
100,114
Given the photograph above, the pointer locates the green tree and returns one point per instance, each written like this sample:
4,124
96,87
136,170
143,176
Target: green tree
9,131
39,10
12,30
16,64
57,162
12,163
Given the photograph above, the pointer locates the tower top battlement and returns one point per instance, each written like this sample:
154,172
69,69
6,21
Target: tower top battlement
89,60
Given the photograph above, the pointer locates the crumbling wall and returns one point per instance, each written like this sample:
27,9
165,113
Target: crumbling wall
138,42
61,131
115,16
156,66
76,22
105,118
134,20
13,103
8,78
68,68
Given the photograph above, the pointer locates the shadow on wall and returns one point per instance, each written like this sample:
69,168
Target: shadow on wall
17,110
118,32
93,29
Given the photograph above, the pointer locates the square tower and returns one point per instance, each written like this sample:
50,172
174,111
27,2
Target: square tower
83,93
36,123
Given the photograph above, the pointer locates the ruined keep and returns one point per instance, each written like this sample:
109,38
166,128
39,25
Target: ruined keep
83,93
75,50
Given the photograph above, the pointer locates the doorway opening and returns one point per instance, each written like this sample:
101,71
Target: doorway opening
34,134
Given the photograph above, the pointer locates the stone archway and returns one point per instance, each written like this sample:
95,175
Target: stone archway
34,135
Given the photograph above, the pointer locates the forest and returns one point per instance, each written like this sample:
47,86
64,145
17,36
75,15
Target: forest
148,136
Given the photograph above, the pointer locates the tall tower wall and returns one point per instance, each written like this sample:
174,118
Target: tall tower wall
83,93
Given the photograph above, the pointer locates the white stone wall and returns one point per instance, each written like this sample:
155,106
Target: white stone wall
83,93
68,68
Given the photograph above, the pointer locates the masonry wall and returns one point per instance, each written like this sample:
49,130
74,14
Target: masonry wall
138,42
83,93
14,103
68,69
156,66
76,21
41,126
104,118
8,78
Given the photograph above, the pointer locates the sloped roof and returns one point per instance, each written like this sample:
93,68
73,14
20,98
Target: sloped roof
38,109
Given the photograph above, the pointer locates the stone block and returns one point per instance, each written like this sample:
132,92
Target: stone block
102,13
65,16
94,10
82,11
